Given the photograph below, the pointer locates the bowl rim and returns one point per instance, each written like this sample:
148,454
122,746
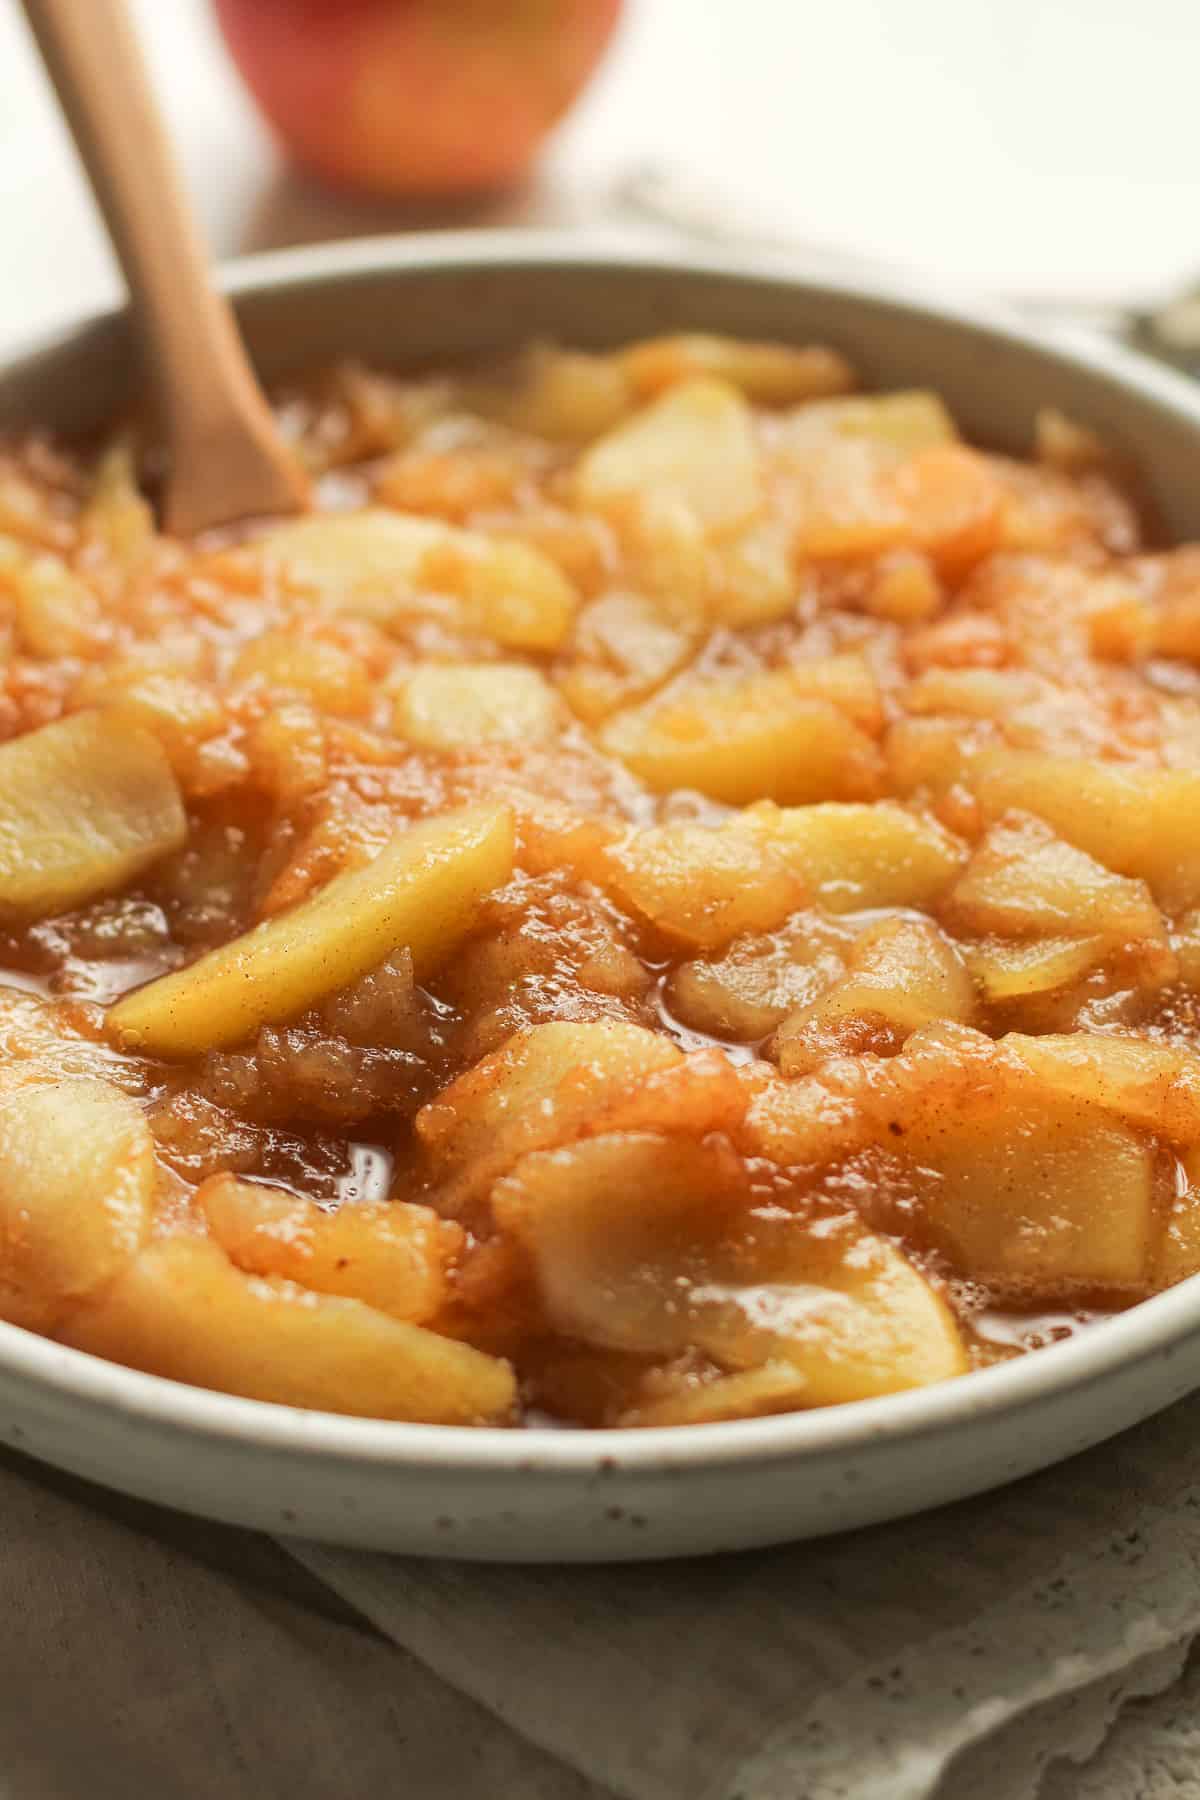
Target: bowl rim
1150,1329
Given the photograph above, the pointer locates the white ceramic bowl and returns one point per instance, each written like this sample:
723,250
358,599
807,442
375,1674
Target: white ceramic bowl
552,1495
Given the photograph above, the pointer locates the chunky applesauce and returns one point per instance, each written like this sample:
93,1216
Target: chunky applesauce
673,894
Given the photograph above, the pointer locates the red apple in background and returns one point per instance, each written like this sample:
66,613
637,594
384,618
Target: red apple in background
416,97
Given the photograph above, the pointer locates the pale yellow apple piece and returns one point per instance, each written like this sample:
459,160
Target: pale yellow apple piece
569,396
1152,1085
1024,1187
422,893
847,680
1136,821
1019,969
646,1243
76,1195
752,577
86,806
926,757
57,614
389,566
857,856
367,563
760,737
977,693
1024,881
181,1309
458,705
773,1387
804,1122
704,885
41,1041
542,1087
387,1253
772,374
900,975
510,591
626,647
904,422
761,978
333,678
695,444
1179,1249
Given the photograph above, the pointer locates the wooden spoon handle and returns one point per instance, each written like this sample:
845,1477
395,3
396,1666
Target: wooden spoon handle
227,460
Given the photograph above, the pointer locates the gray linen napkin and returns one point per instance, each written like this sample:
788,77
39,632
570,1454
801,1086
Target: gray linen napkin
144,1654
956,1653
968,1652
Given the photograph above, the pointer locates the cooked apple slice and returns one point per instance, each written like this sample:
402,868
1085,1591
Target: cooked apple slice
509,591
704,885
1179,1248
389,566
1152,1085
1025,882
1140,822
857,856
626,646
332,677
463,704
752,580
901,423
1024,1187
76,1195
1025,968
761,978
773,1387
758,737
421,893
41,1042
772,374
805,1122
645,1243
57,614
360,562
86,805
846,680
541,1087
568,396
695,444
900,975
387,1253
953,506
182,1309
702,1093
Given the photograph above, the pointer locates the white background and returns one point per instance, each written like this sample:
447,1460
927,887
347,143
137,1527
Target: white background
1019,146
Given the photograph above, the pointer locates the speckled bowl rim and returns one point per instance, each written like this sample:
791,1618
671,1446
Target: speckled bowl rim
1152,1329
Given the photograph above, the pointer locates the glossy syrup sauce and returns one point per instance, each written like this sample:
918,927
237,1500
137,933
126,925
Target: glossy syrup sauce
324,1109
368,1166
995,1332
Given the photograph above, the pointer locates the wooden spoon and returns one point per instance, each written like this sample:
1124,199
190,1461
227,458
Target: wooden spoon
227,460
